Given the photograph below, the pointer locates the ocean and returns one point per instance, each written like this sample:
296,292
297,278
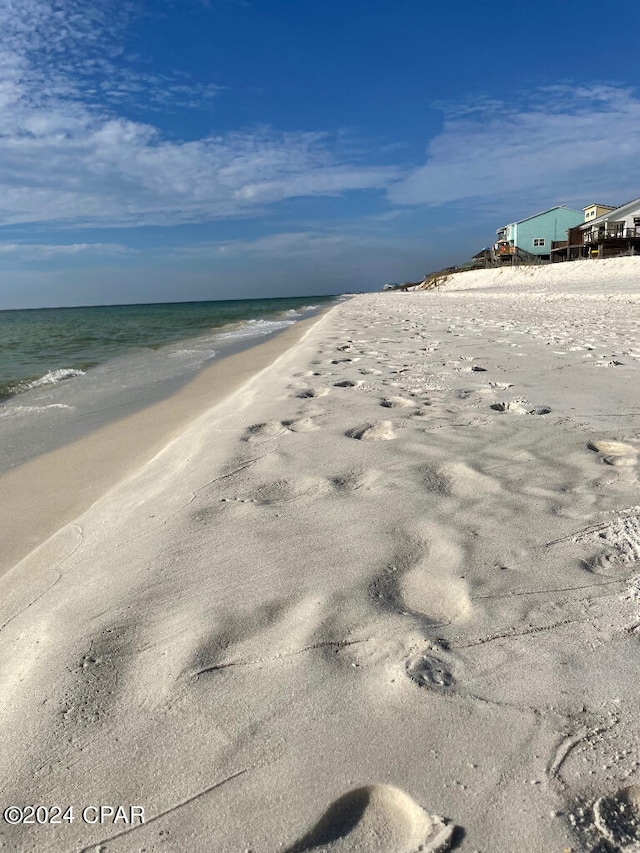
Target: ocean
66,371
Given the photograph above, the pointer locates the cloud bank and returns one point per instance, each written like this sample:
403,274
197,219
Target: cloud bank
561,143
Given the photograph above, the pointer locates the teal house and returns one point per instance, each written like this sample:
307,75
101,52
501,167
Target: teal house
535,234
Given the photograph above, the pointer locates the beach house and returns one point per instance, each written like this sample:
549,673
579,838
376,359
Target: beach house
573,247
530,239
616,231
605,233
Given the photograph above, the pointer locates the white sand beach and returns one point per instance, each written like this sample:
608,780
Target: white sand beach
381,596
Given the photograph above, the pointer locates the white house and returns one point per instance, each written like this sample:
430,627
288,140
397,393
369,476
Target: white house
614,232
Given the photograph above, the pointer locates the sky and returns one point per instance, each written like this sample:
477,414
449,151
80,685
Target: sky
172,150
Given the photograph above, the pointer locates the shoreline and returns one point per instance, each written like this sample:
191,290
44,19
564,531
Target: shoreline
51,415
80,471
308,621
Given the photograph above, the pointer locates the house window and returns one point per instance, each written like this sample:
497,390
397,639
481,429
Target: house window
538,241
636,221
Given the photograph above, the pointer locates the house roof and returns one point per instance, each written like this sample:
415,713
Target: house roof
621,211
540,213
597,204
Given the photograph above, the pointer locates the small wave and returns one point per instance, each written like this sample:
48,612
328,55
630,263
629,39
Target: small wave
178,352
30,410
53,377
193,357
253,328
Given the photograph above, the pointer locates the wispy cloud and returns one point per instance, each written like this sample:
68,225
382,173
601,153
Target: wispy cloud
66,155
285,245
313,249
561,144
73,168
36,252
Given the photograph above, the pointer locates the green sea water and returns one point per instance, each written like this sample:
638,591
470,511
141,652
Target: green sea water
46,345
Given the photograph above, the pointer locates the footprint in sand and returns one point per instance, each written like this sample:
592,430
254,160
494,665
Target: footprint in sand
382,431
514,407
272,429
433,585
260,432
396,402
616,453
428,671
619,542
424,411
300,425
346,383
351,481
376,819
312,392
435,594
617,819
520,407
424,580
284,491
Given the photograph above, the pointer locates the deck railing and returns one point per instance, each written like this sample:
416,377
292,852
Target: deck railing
597,235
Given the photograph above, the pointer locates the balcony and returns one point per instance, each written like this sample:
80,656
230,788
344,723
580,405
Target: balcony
504,248
610,232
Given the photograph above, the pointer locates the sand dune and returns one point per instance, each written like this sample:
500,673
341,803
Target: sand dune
383,597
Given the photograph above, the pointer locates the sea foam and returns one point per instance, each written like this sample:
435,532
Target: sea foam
12,411
53,377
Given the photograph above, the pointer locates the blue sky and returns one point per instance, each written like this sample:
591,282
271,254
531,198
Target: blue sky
204,149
